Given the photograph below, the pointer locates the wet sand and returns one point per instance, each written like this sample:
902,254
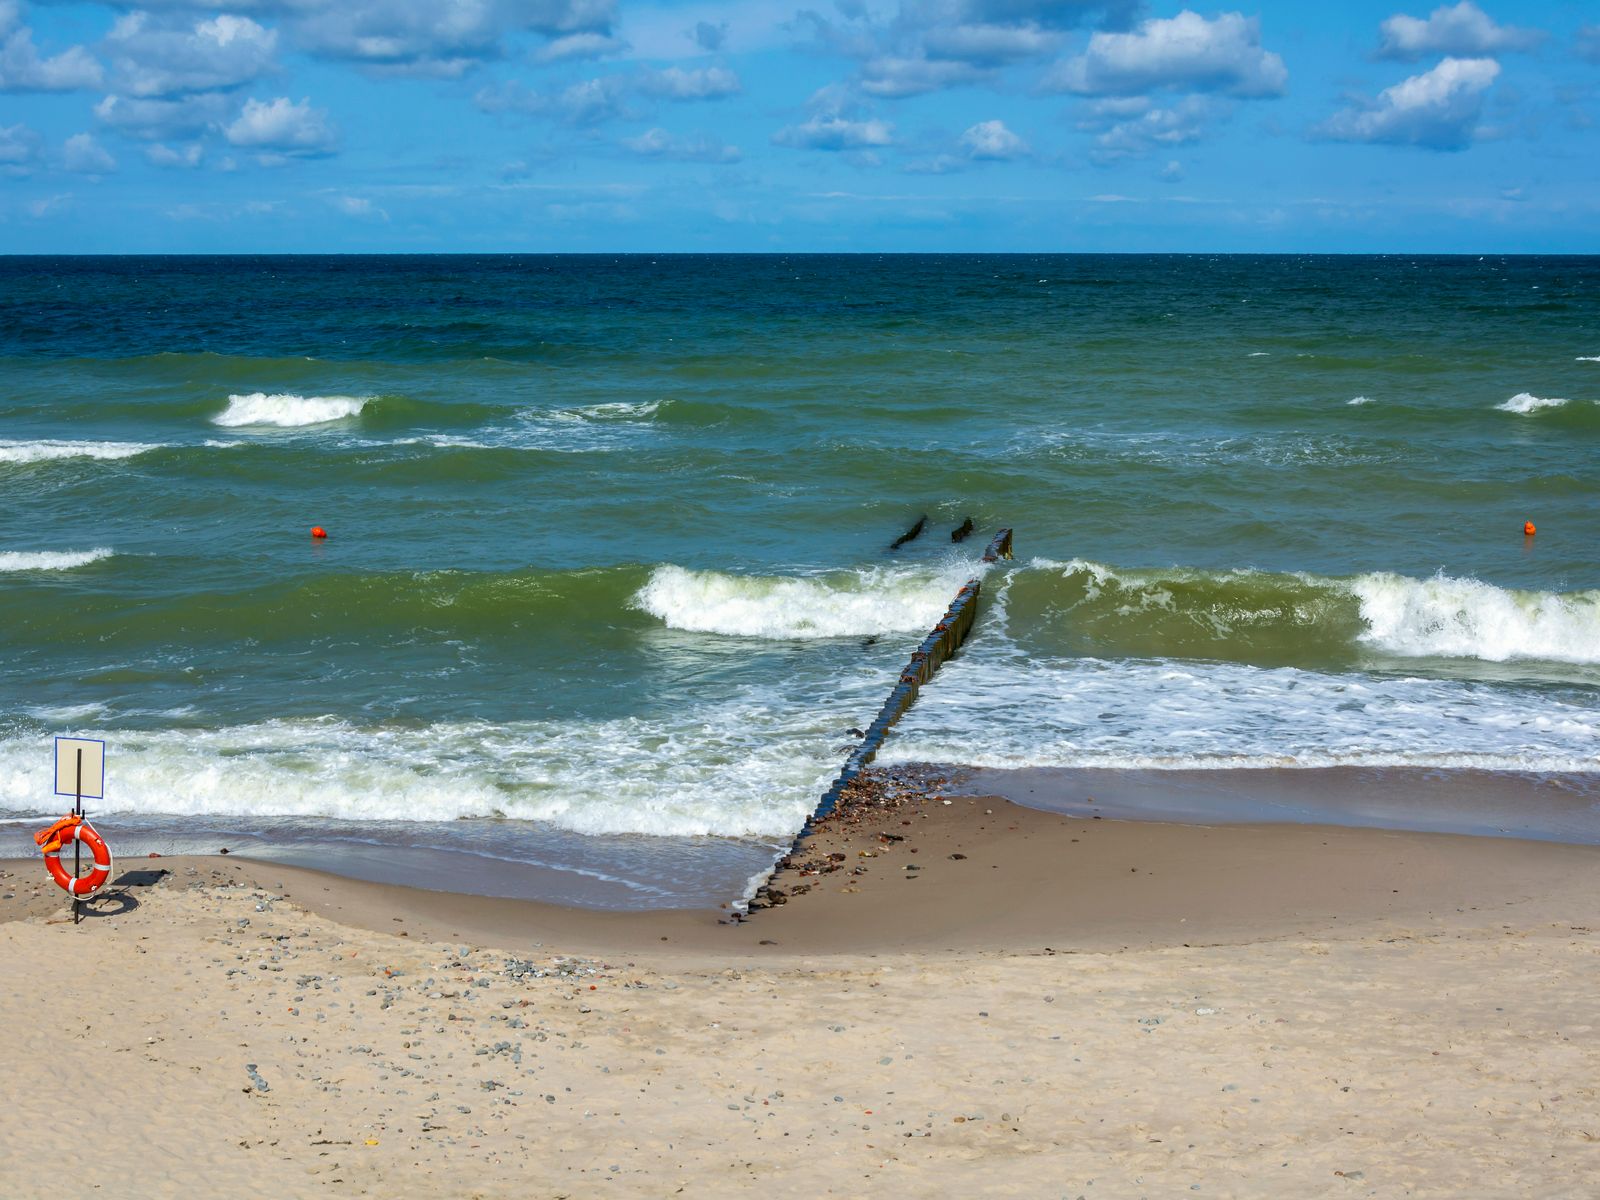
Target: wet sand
1075,1007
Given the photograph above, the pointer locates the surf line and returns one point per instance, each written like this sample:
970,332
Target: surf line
941,644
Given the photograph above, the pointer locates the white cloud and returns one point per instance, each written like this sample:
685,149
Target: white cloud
823,132
161,120
151,58
441,39
283,126
19,148
1438,109
1172,172
1463,30
23,69
705,83
359,207
162,155
895,78
992,140
82,155
575,47
593,101
990,45
1183,53
1133,126
658,143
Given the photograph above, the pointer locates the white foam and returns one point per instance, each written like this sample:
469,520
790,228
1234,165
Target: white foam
51,449
843,604
1467,618
744,767
50,560
994,706
619,410
1589,358
287,410
1360,400
1526,402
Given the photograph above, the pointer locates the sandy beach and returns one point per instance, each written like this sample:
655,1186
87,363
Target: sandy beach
1006,1002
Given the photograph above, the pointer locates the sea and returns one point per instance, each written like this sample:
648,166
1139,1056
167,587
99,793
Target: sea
608,575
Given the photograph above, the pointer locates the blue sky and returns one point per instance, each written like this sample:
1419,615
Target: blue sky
798,125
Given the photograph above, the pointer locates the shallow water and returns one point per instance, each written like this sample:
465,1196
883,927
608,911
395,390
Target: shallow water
609,536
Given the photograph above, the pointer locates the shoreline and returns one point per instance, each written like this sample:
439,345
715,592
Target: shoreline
1151,1009
909,862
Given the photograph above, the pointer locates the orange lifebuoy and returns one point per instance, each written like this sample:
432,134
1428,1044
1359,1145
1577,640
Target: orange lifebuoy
80,887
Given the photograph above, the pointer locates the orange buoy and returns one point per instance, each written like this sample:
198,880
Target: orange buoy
317,531
1528,529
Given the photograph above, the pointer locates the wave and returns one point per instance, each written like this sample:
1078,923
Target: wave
995,707
877,600
49,560
1263,617
287,410
1360,400
1588,358
736,768
1466,618
1525,402
48,450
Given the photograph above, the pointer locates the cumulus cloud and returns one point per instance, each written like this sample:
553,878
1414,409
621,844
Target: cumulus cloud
82,155
163,155
895,78
587,102
1438,109
930,45
284,127
404,37
164,119
832,132
991,140
1464,30
1184,53
705,83
155,58
575,47
990,45
359,207
1134,126
24,69
658,143
19,149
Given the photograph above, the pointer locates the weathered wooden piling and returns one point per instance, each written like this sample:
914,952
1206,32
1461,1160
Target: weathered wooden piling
942,642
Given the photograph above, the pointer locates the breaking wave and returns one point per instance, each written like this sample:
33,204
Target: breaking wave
50,449
1524,403
858,603
49,560
287,410
1298,618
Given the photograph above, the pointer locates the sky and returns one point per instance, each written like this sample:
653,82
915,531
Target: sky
798,125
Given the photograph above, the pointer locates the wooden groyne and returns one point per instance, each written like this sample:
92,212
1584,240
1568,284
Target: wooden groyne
942,642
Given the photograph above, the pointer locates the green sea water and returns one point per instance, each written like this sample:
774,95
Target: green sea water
609,536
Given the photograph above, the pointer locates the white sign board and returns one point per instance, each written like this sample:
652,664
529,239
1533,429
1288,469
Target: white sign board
68,751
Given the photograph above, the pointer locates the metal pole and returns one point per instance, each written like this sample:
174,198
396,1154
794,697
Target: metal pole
77,843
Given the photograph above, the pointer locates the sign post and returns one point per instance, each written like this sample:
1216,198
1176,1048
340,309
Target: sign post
80,763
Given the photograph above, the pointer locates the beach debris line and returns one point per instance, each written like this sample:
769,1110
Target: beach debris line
942,642
911,534
80,772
